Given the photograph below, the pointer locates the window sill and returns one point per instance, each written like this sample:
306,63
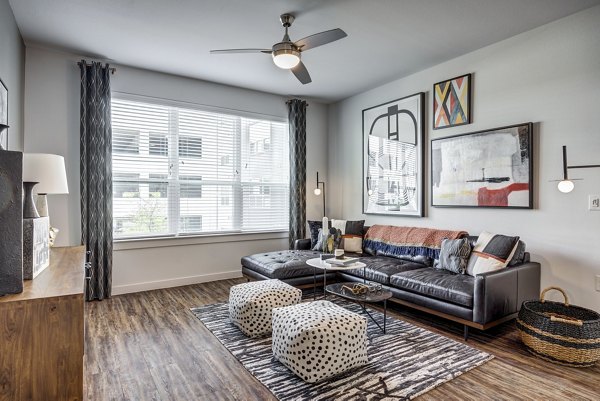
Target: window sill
143,243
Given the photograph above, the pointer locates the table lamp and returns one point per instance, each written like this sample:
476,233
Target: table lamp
48,172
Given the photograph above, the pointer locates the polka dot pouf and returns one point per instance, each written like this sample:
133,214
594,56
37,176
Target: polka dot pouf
318,340
251,304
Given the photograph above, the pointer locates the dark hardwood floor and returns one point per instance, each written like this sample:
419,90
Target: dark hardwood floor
148,346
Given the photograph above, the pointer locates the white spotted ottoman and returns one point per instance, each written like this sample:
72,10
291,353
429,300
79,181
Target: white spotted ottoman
318,340
251,304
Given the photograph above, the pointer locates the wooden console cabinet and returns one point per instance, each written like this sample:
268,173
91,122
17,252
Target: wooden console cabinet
42,333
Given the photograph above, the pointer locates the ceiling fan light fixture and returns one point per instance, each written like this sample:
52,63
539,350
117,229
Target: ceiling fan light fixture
285,56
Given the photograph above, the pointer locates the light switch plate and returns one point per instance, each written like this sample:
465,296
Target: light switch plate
598,282
594,204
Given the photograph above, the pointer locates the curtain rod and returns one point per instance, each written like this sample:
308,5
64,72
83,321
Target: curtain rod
290,100
111,69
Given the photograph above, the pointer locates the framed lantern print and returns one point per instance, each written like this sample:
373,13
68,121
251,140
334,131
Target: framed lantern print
393,147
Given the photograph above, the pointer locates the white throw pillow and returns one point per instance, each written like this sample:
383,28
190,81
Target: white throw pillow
491,252
352,243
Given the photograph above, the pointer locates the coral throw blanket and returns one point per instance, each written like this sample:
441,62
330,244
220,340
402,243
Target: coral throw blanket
396,241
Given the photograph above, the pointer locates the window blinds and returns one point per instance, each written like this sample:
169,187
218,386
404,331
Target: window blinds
179,171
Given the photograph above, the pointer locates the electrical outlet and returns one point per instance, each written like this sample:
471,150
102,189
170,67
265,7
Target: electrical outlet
597,282
594,203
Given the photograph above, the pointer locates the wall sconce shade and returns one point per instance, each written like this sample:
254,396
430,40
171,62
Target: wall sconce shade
566,186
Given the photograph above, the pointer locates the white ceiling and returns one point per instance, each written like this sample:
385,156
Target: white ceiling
387,39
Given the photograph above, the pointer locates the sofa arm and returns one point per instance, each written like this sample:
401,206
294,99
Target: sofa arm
501,293
302,244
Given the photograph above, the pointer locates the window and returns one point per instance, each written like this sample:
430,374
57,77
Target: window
126,185
191,186
126,142
182,170
158,185
190,223
159,145
190,146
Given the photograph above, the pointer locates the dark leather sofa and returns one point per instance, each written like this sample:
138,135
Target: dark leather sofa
483,301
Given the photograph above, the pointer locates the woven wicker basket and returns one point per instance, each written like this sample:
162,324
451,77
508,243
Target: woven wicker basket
559,332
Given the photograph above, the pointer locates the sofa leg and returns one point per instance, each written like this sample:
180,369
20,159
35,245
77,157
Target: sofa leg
466,332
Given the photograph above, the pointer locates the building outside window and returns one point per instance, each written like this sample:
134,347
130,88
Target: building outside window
159,145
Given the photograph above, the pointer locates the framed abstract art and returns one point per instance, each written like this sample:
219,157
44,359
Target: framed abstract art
491,168
393,153
452,102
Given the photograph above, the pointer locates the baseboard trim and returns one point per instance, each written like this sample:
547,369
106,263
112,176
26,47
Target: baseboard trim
174,282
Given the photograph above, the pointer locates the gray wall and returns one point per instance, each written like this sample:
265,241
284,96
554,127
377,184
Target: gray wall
12,73
550,76
52,126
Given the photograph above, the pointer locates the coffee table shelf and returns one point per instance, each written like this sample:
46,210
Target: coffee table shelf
363,299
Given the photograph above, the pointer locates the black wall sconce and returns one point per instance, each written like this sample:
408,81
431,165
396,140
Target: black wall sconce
566,185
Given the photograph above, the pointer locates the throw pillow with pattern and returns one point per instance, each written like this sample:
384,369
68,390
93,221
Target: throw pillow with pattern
454,255
491,252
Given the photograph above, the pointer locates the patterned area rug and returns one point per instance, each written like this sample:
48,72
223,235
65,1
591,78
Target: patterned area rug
404,363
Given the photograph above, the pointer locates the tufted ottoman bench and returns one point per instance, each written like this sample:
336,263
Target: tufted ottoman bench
251,304
318,340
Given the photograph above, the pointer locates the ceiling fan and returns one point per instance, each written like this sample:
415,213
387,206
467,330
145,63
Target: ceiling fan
286,54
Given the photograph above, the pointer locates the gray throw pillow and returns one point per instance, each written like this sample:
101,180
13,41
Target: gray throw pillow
454,255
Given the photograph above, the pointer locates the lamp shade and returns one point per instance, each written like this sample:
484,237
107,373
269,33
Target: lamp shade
566,186
47,170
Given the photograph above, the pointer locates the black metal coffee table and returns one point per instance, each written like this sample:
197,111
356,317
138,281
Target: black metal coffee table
363,299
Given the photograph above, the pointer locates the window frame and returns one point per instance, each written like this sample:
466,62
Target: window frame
197,237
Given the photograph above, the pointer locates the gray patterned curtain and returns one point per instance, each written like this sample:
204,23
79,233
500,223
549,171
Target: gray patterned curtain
297,121
96,178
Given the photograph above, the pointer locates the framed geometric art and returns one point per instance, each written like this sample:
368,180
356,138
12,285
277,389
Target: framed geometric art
491,168
393,153
452,102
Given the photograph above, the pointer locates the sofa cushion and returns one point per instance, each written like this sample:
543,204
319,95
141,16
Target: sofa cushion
380,268
437,283
281,264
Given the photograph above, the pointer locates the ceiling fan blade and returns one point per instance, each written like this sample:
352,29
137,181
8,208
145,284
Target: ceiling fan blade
301,73
570,179
320,39
234,51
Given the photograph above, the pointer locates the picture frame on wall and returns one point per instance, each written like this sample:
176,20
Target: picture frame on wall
452,102
3,116
393,154
484,169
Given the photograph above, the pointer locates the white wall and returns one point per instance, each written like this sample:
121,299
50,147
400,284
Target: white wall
550,76
12,73
52,126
